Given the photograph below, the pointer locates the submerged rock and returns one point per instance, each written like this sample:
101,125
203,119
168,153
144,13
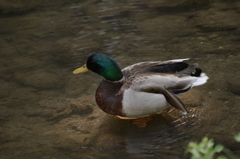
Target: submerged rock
233,84
9,6
40,79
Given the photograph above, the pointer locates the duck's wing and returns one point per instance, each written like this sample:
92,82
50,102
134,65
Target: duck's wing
172,74
172,66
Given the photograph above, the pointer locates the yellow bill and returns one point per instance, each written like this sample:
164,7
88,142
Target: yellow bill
81,69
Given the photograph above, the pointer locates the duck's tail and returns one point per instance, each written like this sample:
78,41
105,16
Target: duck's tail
201,79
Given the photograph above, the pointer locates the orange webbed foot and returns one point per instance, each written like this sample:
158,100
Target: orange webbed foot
142,122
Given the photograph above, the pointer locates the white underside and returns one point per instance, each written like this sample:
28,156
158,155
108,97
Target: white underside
139,104
142,104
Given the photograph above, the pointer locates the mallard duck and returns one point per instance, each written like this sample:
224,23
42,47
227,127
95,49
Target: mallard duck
144,88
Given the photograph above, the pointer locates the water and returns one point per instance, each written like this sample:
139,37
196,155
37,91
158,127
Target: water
47,112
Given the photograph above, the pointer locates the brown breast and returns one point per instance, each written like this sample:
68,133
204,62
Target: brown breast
107,99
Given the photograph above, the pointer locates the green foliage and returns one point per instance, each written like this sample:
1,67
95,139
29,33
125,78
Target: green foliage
205,149
237,137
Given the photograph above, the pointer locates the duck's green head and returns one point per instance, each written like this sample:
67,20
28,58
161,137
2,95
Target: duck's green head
102,65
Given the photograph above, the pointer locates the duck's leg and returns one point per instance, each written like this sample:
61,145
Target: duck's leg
170,97
174,100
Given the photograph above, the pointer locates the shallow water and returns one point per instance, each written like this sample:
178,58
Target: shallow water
47,112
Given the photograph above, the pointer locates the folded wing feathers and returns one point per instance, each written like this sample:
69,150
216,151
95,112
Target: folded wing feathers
190,69
137,69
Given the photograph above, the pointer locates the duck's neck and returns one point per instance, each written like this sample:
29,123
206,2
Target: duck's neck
112,73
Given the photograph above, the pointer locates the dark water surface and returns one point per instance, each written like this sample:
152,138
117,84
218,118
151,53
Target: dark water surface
47,112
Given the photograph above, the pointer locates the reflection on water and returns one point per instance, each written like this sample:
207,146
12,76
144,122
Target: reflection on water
46,112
